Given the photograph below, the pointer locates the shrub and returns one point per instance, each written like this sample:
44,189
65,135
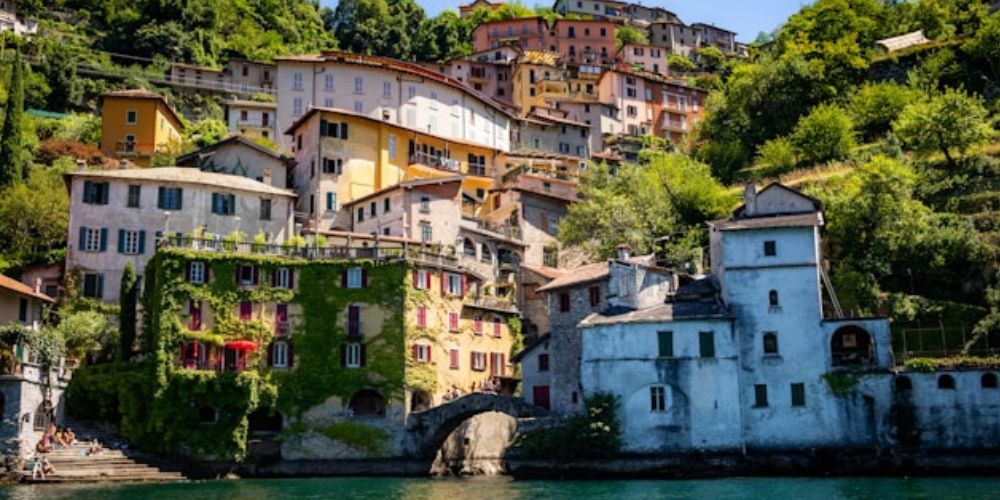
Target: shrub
50,151
595,433
825,134
875,105
777,156
680,63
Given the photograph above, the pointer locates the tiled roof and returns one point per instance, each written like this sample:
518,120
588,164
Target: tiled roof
548,272
185,175
582,274
796,220
404,185
656,314
18,287
235,139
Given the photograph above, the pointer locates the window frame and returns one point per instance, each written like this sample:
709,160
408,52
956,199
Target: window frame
760,396
706,344
279,350
352,355
355,278
658,399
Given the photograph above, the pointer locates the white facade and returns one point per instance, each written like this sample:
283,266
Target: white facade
388,90
252,119
10,21
240,156
126,211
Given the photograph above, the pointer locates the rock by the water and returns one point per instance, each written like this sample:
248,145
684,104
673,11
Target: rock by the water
477,447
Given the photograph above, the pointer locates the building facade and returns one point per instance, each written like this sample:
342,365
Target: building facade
136,124
236,155
117,216
252,118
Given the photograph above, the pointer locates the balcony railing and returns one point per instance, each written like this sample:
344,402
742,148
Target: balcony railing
133,148
435,161
477,169
493,303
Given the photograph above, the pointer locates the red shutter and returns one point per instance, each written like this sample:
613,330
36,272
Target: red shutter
444,285
343,355
343,278
364,355
465,284
291,278
195,312
246,311
256,275
274,277
472,360
430,351
503,363
364,278
270,354
187,271
416,354
496,328
454,359
416,279
291,355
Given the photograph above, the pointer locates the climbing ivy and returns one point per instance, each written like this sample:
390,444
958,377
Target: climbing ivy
841,384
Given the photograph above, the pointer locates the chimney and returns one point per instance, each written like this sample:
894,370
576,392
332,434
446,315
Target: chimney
38,284
750,200
81,164
266,177
624,252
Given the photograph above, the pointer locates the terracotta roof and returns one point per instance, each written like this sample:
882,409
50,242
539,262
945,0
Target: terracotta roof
185,175
796,220
20,288
580,275
548,272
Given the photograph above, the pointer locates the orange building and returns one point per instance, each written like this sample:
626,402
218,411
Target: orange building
137,123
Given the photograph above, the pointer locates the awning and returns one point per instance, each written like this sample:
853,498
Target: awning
241,345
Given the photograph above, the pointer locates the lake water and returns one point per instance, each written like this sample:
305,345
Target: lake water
489,488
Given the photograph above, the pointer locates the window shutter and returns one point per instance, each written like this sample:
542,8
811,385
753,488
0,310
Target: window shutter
232,204
343,131
208,272
291,278
104,239
414,350
343,278
187,271
343,355
274,277
236,274
465,284
364,355
121,241
83,238
215,203
180,198
364,277
444,284
270,354
104,193
430,350
416,279
88,192
142,242
256,275
503,364
472,360
160,197
100,286
290,355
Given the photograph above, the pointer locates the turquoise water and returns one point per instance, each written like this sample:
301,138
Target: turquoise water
489,488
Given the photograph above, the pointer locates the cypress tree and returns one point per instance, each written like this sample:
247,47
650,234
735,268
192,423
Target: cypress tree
128,299
13,156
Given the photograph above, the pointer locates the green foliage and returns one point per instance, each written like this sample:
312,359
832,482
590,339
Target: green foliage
205,132
14,155
369,439
874,106
47,345
777,156
625,35
680,64
955,362
85,332
945,122
596,433
129,297
841,384
710,58
34,218
825,134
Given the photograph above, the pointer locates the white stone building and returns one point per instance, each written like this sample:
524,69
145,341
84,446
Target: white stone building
393,91
10,21
737,360
117,216
237,155
252,118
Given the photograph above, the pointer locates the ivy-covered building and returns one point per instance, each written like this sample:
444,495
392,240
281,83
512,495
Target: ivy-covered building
309,352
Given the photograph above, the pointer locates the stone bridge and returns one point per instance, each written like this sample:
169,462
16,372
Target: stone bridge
428,429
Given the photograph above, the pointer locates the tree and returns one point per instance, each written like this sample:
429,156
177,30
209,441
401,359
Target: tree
874,106
84,332
14,156
443,37
826,133
711,58
984,46
206,131
944,122
59,69
625,35
681,64
777,156
34,217
129,296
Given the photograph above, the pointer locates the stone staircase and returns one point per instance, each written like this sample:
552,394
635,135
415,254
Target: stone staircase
73,465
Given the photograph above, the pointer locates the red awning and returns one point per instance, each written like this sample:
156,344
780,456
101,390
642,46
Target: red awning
241,345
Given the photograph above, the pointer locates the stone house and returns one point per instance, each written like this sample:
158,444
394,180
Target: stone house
252,118
119,215
238,155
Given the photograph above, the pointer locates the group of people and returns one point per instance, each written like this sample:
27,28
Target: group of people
55,438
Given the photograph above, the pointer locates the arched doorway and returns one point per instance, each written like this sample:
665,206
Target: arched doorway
852,346
420,401
43,416
367,403
264,421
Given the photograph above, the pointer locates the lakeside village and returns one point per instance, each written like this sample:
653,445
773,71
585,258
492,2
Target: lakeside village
398,273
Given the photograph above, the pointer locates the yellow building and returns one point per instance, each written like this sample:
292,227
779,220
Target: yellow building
342,156
137,123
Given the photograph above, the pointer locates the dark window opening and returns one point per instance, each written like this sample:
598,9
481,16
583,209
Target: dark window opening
989,381
770,249
798,394
946,382
760,396
770,343
904,383
367,403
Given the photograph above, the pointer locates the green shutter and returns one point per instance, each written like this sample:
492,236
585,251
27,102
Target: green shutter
105,187
142,242
232,205
666,344
161,194
343,131
100,287
88,192
180,198
121,241
104,239
83,239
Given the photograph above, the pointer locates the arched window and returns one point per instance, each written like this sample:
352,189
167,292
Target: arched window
851,346
989,381
903,383
468,247
946,382
43,416
772,297
486,255
367,403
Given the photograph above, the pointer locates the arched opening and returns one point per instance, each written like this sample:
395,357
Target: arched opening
43,416
468,247
486,255
852,346
989,381
946,382
264,421
367,403
903,383
420,401
772,298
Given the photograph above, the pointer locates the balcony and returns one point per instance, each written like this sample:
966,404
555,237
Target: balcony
492,303
448,164
133,148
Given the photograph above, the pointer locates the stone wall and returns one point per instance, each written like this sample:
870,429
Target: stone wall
22,398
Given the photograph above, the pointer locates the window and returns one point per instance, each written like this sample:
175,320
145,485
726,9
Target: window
283,277
453,321
386,89
543,362
564,302
93,285
411,91
196,272
454,282
478,360
336,130
327,102
223,204
386,205
497,364
422,316
352,355
131,117
359,107
279,354
361,214
93,239
131,242
297,81
658,398
133,196
550,256
331,201
392,146
772,298
665,343
595,296
469,248
333,166
328,82
485,255
453,355
22,311
421,279
770,248
422,353
246,275
770,343
354,278
497,332
359,85
477,325
371,208
297,108
425,204
706,344
169,198
265,209
903,383
989,381
760,396
95,193
354,321
946,382
425,232
798,394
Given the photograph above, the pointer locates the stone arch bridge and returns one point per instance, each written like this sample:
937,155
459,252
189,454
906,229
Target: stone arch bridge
428,429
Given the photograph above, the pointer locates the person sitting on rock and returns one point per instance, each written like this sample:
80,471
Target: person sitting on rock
69,437
95,447
47,467
44,444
